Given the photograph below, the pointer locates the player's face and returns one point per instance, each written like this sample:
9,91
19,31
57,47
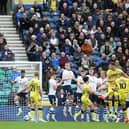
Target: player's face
91,72
112,67
22,74
67,66
102,74
83,73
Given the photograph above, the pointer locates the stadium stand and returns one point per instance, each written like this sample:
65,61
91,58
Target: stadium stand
98,28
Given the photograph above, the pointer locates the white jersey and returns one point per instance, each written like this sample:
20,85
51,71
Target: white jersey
22,82
93,82
80,79
100,81
67,74
52,90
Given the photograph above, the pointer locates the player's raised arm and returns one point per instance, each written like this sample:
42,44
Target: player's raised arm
125,75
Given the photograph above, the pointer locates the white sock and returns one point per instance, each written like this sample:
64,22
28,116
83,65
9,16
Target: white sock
69,109
128,113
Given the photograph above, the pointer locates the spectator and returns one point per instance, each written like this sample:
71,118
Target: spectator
19,16
7,54
65,9
37,9
54,41
3,7
63,59
119,53
85,62
32,49
3,42
86,47
13,74
77,56
30,13
107,49
67,48
54,60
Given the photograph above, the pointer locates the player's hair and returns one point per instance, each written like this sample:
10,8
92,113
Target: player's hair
36,74
112,63
85,79
23,71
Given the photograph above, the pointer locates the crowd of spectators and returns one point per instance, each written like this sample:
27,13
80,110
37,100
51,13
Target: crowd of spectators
83,32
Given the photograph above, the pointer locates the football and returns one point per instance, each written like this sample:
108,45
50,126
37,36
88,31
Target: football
112,118
27,118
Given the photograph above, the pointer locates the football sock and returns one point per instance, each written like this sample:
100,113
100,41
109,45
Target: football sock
110,105
116,105
40,113
32,113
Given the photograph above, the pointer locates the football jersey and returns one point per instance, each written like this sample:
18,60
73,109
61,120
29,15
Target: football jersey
123,85
52,90
86,91
93,82
113,75
80,79
34,85
22,82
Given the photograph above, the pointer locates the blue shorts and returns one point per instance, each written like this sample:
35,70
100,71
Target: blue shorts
77,97
52,99
67,90
23,95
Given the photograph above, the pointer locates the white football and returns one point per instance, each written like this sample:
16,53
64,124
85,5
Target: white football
27,118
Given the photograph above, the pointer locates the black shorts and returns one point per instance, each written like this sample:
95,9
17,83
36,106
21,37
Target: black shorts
127,104
52,99
77,97
94,98
67,90
23,95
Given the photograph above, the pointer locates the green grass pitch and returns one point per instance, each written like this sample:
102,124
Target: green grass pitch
62,125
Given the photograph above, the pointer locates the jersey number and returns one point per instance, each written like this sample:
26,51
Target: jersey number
122,85
32,88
